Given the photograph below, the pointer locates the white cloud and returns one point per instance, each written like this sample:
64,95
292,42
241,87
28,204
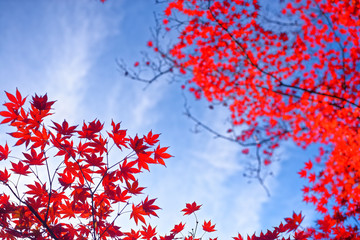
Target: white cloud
76,38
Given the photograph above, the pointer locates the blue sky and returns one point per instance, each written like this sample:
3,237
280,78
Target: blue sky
68,49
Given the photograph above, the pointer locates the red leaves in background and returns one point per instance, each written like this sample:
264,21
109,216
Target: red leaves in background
245,151
292,77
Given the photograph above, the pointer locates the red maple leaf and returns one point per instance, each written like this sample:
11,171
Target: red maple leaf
151,138
37,189
137,144
178,228
20,168
41,102
127,170
190,208
160,155
4,152
148,232
34,158
4,176
118,135
148,207
134,187
137,213
64,129
207,227
15,102
66,179
90,131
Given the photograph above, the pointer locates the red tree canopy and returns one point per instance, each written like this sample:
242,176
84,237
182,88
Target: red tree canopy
286,70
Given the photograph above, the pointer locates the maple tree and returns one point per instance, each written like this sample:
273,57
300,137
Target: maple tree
287,72
59,182
73,189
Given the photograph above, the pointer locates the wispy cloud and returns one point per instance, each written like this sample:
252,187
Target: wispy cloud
76,37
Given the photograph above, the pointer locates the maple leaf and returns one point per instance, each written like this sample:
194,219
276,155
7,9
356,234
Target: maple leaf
90,131
94,160
302,173
41,102
134,187
10,116
148,207
37,189
99,145
137,144
144,159
160,154
308,165
67,209
118,135
20,168
64,129
66,179
207,227
137,213
40,138
126,170
151,138
84,149
121,196
15,102
34,158
24,136
4,176
190,208
294,222
132,235
245,151
148,232
4,152
178,228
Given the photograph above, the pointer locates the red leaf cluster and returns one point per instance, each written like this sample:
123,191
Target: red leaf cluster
289,74
74,189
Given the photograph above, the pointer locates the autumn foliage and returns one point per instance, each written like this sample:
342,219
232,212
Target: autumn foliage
286,70
59,181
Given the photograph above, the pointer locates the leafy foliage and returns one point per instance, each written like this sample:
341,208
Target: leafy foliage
74,190
286,71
